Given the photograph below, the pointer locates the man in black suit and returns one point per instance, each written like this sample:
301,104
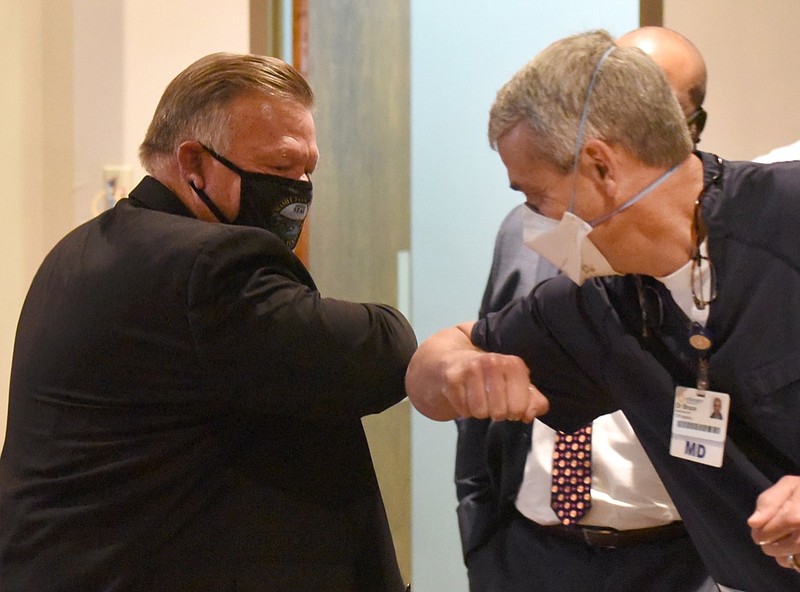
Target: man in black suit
185,407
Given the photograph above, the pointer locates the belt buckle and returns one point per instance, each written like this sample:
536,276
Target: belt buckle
601,537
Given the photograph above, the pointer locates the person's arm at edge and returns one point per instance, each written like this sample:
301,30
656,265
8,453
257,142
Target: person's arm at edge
449,377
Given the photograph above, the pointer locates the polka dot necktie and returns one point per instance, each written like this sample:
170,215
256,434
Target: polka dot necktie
570,493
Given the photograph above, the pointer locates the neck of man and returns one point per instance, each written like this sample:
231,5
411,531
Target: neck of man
656,237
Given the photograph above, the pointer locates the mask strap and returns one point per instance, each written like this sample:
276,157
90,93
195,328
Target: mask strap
225,162
582,125
209,204
635,198
297,183
204,196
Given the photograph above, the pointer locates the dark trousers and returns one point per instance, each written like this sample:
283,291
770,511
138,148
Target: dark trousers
523,557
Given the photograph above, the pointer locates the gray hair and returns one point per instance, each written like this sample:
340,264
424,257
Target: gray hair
194,105
631,104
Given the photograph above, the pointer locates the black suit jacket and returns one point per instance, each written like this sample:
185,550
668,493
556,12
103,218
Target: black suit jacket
185,415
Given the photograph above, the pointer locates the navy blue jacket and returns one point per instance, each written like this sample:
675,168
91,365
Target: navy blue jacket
591,340
515,270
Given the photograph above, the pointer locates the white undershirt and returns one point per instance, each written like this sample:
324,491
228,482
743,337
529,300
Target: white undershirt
679,285
626,490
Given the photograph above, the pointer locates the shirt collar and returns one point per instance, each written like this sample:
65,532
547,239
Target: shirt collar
150,193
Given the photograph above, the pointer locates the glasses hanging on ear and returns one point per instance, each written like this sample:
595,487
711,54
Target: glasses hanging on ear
696,122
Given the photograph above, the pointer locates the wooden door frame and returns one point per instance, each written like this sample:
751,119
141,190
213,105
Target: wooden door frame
651,13
266,38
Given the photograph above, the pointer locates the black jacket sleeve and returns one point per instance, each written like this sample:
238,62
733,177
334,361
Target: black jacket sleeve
272,341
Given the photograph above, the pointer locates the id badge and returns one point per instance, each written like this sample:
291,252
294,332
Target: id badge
699,425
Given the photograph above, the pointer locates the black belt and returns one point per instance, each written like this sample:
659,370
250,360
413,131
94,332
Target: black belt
611,538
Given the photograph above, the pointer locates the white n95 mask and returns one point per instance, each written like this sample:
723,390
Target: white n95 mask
566,244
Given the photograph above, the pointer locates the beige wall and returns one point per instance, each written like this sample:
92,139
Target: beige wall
753,88
81,79
126,52
35,152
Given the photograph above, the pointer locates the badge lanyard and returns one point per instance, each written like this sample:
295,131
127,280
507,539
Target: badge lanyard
700,416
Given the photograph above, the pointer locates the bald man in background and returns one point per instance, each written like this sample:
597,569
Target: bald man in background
632,538
683,65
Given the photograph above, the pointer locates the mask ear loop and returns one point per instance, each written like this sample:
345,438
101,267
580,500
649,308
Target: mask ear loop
635,198
209,203
579,145
582,126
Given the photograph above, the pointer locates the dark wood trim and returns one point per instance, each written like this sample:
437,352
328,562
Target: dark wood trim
651,13
300,36
266,27
300,62
266,38
258,26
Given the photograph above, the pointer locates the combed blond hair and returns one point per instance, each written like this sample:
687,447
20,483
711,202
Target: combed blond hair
194,105
631,104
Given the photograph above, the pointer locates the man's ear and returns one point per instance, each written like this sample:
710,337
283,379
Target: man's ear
602,165
190,162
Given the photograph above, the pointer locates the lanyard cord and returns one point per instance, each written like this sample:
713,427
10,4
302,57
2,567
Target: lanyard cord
699,232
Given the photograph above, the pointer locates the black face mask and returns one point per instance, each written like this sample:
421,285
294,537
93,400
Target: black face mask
274,203
696,122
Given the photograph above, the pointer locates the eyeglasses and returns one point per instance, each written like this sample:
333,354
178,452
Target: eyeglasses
696,122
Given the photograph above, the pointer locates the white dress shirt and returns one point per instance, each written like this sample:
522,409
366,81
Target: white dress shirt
781,154
626,491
